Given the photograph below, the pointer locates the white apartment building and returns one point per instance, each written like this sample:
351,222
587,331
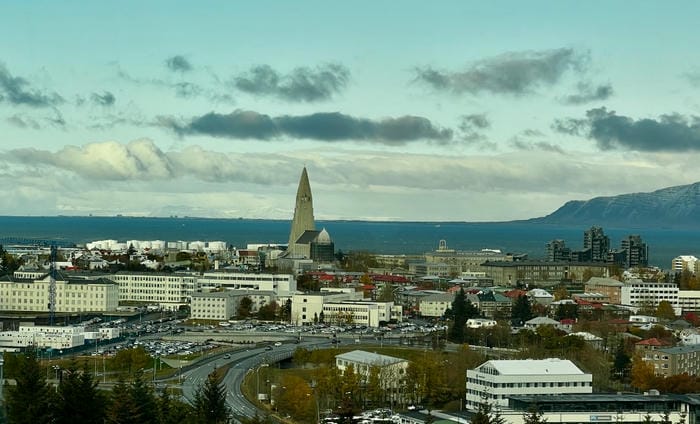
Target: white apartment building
371,314
73,294
307,308
689,262
219,306
689,300
480,323
496,380
637,293
42,337
282,285
169,291
435,304
391,370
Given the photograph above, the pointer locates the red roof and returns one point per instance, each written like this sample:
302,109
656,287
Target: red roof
652,342
514,294
389,278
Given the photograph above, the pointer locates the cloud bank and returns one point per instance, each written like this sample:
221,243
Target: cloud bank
18,91
332,126
302,84
178,63
670,132
514,73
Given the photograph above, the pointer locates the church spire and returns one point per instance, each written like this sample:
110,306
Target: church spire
303,211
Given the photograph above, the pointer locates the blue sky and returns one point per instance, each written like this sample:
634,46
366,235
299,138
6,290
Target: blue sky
469,111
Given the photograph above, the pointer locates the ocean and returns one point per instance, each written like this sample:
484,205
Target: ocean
376,237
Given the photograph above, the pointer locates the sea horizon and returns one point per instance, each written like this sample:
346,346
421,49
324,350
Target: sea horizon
380,237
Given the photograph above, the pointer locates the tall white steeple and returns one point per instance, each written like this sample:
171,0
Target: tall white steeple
303,212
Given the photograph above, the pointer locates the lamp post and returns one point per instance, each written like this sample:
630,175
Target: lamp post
257,380
2,384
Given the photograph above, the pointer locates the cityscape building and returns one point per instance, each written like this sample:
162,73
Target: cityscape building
495,381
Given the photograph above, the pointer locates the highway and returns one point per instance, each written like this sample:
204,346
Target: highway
240,363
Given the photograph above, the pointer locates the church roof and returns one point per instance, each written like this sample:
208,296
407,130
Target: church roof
307,237
323,237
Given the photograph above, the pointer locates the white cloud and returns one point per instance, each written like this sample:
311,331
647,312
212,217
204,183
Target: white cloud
139,178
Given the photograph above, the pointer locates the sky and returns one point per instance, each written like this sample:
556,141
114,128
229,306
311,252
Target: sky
407,111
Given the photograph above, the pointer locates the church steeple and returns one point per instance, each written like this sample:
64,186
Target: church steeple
303,211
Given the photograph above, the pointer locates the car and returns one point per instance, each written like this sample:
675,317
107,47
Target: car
268,347
278,343
227,356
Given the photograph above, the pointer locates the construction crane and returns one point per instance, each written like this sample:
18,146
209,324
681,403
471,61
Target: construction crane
52,284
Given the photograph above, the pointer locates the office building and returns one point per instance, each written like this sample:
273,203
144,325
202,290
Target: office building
496,380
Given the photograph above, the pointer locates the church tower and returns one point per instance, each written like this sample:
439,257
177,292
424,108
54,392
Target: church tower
303,220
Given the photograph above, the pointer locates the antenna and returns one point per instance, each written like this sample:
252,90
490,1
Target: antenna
52,284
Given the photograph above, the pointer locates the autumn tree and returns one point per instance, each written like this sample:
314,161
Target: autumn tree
665,311
294,396
131,360
560,293
641,373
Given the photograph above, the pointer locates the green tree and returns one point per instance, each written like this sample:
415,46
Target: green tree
386,294
459,314
123,408
522,310
621,362
533,416
8,263
268,312
172,410
30,400
210,402
143,397
567,310
245,307
79,399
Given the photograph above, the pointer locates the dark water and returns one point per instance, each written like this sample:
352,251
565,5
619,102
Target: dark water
378,237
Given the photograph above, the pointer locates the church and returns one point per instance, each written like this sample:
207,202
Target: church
306,244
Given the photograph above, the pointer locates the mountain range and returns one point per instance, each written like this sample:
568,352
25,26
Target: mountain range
672,207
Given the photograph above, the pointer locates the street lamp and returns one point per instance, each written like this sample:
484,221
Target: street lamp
257,379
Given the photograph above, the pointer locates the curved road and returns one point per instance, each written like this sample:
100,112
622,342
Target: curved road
241,362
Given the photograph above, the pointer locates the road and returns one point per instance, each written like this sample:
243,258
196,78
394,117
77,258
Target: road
240,363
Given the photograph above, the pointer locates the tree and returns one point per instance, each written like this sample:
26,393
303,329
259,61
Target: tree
79,400
483,414
386,294
30,400
621,362
245,307
522,310
665,310
131,360
122,408
286,311
533,416
172,410
268,312
567,310
210,402
560,293
459,312
642,374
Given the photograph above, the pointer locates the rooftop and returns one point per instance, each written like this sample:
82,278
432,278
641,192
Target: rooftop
533,366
